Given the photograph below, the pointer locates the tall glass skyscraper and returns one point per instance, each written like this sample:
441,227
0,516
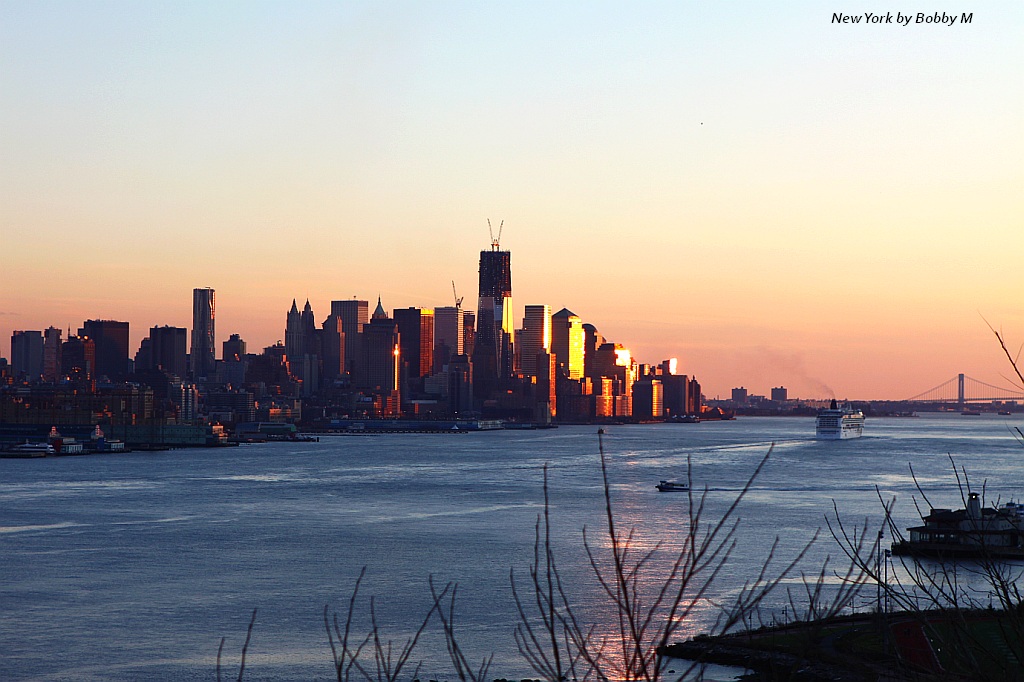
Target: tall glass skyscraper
536,337
416,327
203,354
567,342
449,335
492,351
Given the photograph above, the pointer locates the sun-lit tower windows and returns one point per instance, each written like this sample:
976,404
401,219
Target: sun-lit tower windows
536,337
567,342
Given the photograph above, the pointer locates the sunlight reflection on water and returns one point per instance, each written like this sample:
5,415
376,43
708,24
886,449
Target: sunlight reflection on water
133,566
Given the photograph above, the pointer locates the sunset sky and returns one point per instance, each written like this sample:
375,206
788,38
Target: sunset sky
773,198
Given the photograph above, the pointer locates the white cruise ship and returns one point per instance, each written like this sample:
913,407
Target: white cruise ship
839,423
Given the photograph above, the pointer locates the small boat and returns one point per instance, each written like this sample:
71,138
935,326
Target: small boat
672,487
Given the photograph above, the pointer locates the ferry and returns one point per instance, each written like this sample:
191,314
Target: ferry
971,533
839,423
27,449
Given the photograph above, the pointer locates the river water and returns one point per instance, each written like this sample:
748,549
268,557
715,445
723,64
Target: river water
133,566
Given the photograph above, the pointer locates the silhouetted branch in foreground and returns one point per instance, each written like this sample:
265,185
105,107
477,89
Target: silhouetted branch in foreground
650,593
245,649
945,597
463,668
388,661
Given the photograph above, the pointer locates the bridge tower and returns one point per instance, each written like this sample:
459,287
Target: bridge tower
960,402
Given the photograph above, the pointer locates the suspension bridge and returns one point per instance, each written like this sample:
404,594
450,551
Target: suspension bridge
964,390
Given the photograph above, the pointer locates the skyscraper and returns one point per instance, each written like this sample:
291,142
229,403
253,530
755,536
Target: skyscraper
167,346
51,354
302,347
27,354
293,343
310,333
233,348
416,327
460,385
111,339
592,340
381,357
449,335
545,392
693,400
648,399
78,358
492,352
468,332
354,315
614,362
204,349
235,361
332,346
567,343
536,337
677,394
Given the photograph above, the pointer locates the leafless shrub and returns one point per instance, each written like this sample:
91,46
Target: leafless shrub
546,636
555,642
943,596
388,660
816,604
1012,358
245,649
651,593
460,661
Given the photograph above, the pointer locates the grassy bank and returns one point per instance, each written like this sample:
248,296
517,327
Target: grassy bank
921,646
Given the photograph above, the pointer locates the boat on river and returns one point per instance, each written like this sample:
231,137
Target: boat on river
839,422
672,487
27,449
973,533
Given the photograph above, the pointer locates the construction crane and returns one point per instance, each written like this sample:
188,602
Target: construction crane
495,241
458,300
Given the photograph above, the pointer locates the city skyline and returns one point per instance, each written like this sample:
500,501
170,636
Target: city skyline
146,341
768,196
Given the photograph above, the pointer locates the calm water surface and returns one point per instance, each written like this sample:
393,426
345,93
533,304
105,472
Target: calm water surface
133,566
